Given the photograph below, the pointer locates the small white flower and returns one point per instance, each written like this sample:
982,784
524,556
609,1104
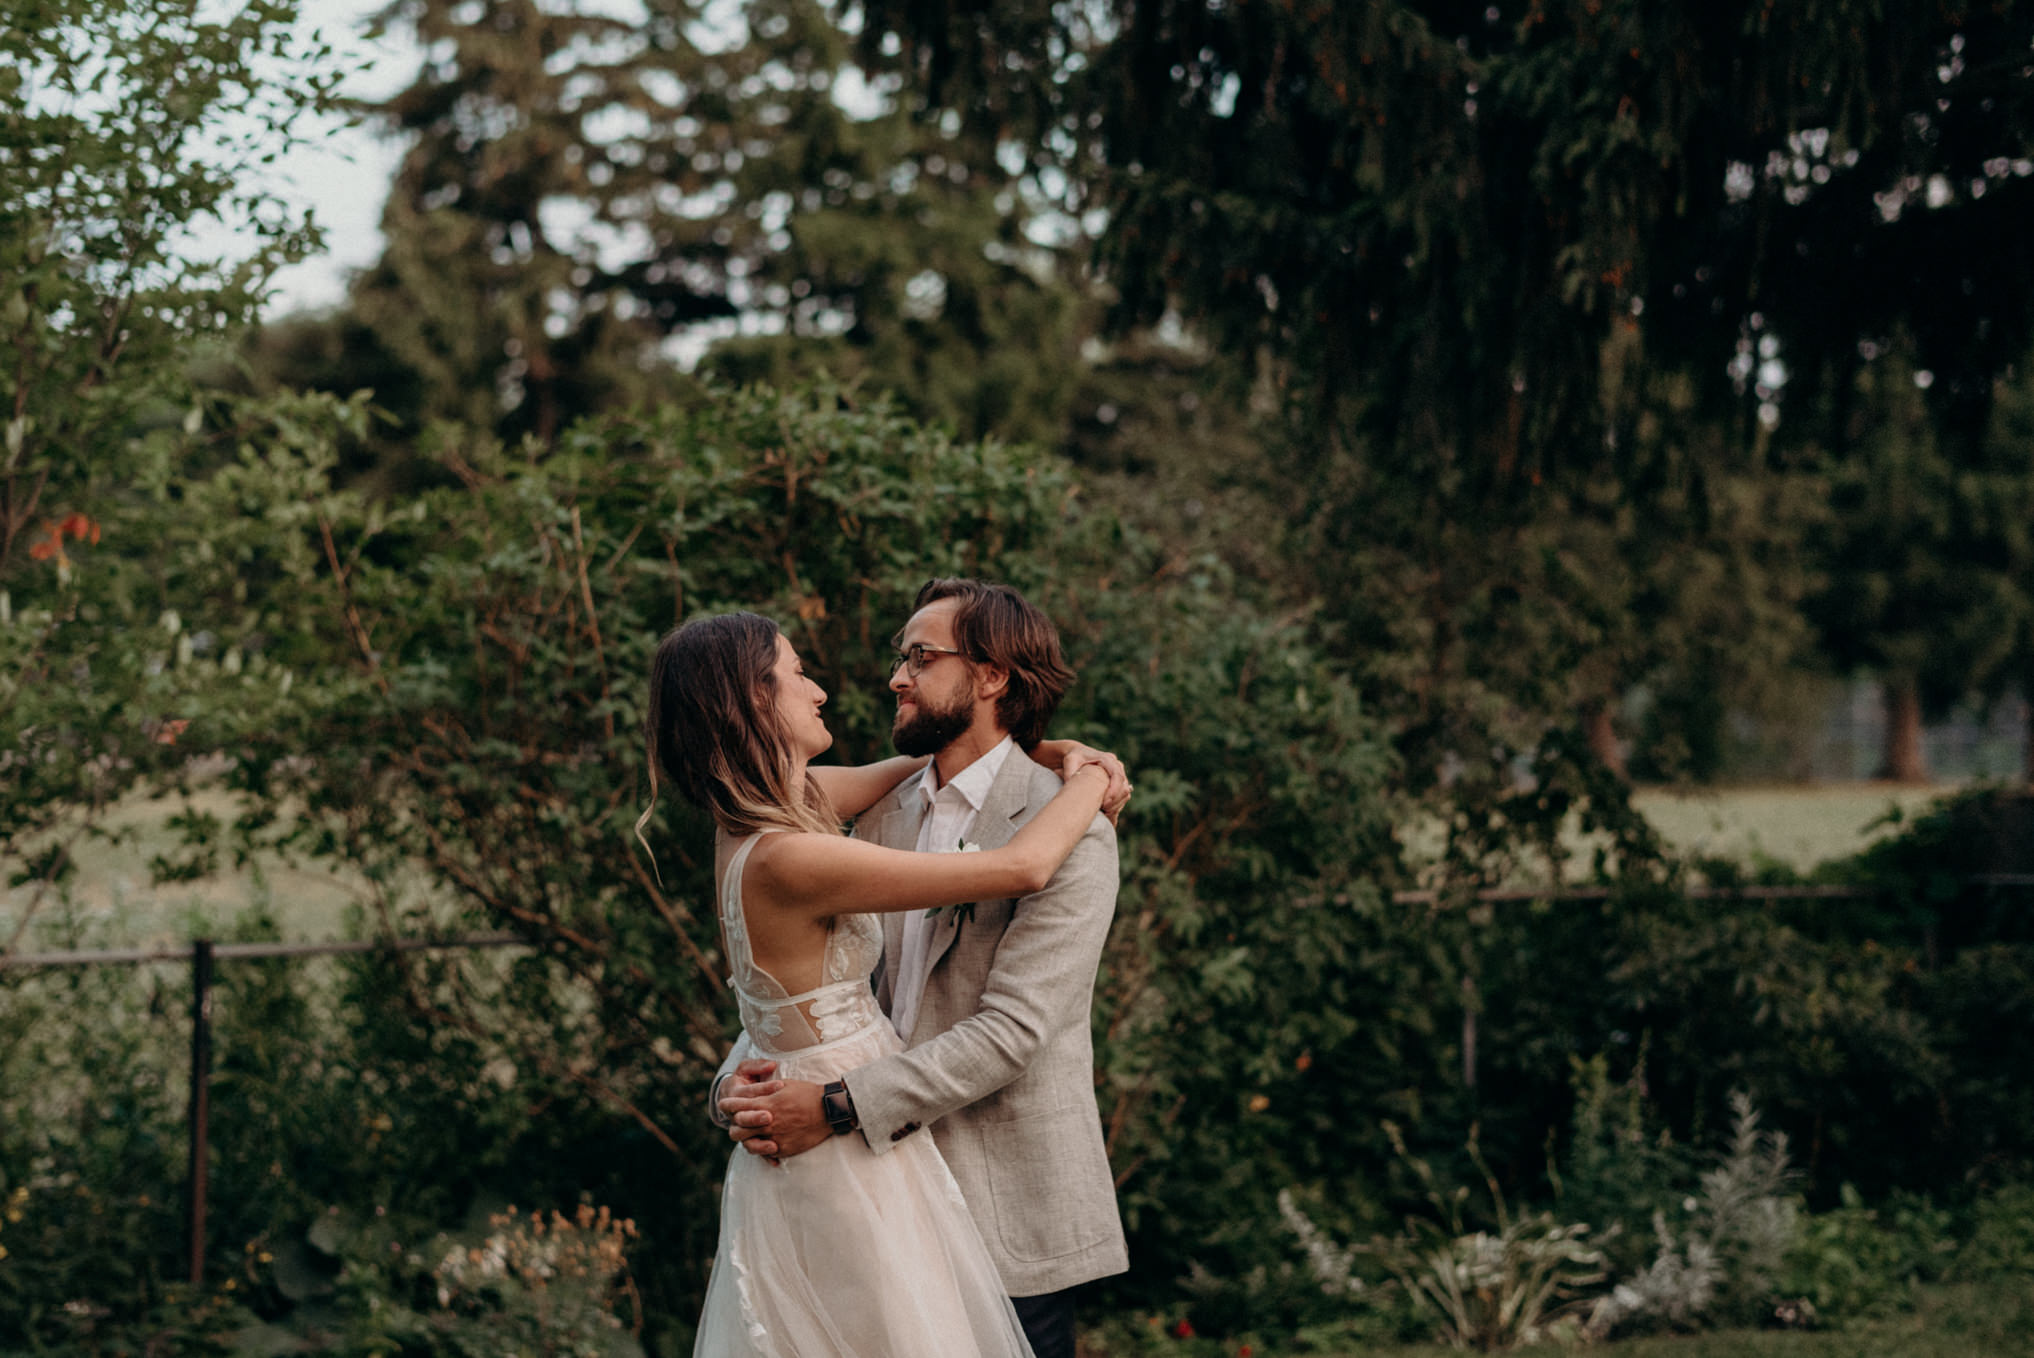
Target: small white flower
958,914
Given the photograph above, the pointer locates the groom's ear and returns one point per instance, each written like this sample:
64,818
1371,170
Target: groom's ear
991,681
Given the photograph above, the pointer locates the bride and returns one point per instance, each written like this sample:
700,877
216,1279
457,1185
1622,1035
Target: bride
839,1252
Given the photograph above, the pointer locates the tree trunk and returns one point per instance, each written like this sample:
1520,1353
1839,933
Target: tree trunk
1602,738
1903,763
2027,737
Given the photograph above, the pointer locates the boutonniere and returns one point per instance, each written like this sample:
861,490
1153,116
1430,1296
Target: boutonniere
965,911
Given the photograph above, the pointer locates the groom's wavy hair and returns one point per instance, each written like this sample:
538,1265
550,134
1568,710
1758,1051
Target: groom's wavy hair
712,729
996,625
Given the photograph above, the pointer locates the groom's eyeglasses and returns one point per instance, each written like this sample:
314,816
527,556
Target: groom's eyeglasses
918,655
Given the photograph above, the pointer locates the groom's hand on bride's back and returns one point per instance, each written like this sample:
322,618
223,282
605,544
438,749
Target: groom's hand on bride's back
772,1118
788,1121
749,1079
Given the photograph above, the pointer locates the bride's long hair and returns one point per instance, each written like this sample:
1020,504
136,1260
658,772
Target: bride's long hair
712,729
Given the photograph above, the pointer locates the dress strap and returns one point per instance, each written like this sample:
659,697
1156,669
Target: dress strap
731,880
734,920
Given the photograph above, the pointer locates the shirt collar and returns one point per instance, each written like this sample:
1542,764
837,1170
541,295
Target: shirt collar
971,783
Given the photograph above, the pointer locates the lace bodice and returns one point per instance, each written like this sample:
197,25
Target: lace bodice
777,1020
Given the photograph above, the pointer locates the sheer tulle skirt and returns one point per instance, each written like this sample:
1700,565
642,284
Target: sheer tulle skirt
843,1253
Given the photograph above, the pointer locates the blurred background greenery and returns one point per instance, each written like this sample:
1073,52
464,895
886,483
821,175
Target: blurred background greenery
1577,451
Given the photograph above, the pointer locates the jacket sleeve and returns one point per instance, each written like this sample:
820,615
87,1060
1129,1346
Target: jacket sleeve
1041,982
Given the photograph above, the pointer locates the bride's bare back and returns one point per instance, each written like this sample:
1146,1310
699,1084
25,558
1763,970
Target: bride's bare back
811,984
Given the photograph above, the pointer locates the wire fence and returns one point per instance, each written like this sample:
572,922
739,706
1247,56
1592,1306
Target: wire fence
202,956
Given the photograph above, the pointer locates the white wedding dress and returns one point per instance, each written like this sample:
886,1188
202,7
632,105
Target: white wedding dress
840,1252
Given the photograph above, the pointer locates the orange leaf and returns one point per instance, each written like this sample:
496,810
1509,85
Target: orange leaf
79,526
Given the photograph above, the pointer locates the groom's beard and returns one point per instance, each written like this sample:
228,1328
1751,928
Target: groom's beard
931,729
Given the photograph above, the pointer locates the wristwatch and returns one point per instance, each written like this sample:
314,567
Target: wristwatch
839,1107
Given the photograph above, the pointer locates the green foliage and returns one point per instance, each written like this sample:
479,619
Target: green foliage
90,1149
2001,1242
122,127
1924,551
491,306
123,616
1618,1165
1443,218
1518,1281
899,251
1856,1261
329,1099
1947,1322
169,638
463,670
1539,296
1517,440
1722,1259
542,1284
1515,1283
581,188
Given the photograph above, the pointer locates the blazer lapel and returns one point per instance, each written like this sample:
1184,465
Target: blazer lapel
995,825
898,829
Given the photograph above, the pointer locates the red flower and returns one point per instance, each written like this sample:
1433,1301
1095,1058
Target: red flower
1183,1330
70,525
167,732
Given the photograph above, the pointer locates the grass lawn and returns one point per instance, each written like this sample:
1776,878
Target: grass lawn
1798,826
112,901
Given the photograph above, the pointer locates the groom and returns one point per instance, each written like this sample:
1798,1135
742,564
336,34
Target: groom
991,999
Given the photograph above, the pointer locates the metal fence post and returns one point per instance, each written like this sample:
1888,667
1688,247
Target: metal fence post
200,1107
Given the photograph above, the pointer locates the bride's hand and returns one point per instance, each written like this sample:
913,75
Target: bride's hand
1078,756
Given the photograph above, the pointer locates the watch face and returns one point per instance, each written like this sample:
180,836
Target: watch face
838,1108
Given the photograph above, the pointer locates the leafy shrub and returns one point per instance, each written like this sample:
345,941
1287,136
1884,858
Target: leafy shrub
1514,1284
463,667
440,691
2000,1246
1856,1262
1619,1164
90,1151
526,1283
1724,1261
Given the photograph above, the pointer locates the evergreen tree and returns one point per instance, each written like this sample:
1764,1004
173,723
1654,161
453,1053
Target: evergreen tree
893,244
589,200
1926,568
1472,244
536,247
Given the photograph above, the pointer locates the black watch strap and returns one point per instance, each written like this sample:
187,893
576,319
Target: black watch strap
839,1107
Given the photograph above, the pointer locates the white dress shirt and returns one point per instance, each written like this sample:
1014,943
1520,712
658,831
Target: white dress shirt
949,816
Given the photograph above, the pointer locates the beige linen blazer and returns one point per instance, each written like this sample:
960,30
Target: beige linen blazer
999,1067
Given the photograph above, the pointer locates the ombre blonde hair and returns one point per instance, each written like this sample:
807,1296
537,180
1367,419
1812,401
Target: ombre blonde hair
712,729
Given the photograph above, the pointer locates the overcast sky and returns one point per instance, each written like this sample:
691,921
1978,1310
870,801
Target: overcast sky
342,174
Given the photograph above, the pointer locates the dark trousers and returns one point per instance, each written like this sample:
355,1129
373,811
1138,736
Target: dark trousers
1048,1321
